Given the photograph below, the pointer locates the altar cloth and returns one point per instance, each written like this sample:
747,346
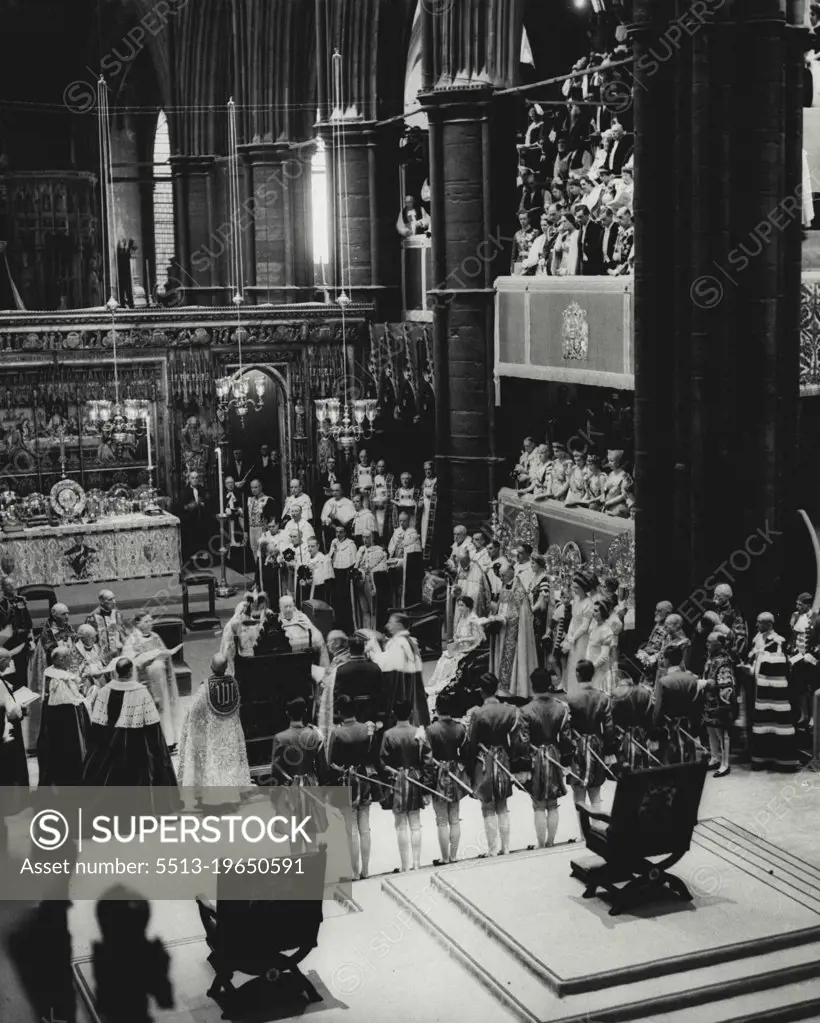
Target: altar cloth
122,547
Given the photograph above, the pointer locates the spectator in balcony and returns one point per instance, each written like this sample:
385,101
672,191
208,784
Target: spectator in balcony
561,166
597,190
574,193
590,242
522,242
529,148
609,238
558,195
540,256
577,88
531,197
624,190
580,158
620,150
412,219
590,194
565,248
548,146
623,255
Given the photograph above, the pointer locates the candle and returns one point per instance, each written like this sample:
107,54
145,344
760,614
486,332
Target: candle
221,487
148,440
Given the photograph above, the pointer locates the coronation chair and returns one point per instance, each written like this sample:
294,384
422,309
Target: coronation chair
653,815
264,937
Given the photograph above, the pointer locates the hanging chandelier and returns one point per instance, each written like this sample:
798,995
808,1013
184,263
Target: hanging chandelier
233,391
346,423
343,420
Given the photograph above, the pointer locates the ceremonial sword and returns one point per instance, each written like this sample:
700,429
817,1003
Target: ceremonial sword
418,784
635,742
289,777
506,770
600,761
361,777
555,763
691,738
455,778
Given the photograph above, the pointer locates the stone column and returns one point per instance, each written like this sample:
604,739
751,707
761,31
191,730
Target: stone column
279,221
363,204
472,175
200,246
717,292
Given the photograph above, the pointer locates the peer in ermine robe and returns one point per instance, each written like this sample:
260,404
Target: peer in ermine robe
400,661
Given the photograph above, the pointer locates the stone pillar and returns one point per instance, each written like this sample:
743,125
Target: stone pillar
363,204
280,224
201,248
717,292
472,175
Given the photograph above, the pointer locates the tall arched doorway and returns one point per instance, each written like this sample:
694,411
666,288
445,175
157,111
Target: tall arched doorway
270,426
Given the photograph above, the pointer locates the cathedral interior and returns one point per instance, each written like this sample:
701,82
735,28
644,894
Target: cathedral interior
540,273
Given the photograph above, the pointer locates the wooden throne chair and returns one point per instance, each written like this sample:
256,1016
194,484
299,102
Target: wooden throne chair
264,937
649,830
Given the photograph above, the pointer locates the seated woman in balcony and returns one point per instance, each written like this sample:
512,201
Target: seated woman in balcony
577,493
540,484
565,249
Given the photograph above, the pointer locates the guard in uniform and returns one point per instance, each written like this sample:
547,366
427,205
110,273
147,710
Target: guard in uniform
402,764
591,715
298,762
545,727
676,709
632,718
495,726
446,739
350,760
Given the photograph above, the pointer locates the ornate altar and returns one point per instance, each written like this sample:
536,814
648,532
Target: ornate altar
70,536
133,546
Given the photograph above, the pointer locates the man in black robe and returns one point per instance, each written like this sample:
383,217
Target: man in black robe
126,745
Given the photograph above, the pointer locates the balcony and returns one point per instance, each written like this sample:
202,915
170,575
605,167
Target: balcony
578,330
